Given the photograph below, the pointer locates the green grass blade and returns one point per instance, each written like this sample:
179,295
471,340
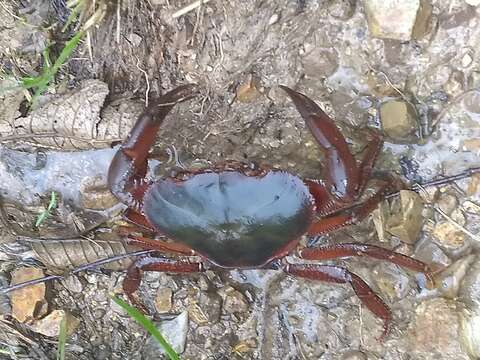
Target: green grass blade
51,205
62,339
149,326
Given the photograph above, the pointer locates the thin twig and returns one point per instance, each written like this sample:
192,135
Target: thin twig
451,104
81,268
188,8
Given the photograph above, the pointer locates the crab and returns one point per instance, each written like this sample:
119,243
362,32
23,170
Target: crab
236,215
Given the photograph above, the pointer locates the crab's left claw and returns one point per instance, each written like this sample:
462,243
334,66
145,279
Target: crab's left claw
126,176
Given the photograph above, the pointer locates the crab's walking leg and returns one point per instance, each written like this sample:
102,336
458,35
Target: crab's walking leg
341,275
134,273
150,244
129,165
351,249
335,222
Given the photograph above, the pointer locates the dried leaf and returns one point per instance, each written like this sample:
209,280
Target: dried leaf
71,121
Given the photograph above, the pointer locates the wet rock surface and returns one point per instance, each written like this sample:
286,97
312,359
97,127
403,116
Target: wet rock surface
339,53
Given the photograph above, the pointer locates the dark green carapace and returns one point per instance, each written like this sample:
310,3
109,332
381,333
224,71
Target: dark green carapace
231,219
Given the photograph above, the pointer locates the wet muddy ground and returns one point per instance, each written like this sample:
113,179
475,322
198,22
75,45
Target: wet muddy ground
414,76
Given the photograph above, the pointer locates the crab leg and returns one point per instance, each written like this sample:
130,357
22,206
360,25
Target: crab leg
335,222
134,273
351,249
126,176
341,275
150,244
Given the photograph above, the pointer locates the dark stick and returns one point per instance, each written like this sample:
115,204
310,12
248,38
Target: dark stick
84,267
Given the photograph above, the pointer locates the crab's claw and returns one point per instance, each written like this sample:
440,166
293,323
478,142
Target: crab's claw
126,175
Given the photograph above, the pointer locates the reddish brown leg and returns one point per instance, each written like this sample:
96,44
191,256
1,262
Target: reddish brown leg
134,274
342,176
163,246
126,175
325,203
341,275
355,215
350,249
138,219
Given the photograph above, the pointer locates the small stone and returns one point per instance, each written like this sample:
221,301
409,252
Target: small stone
470,332
174,331
379,217
471,101
273,19
73,284
450,279
163,300
455,84
434,331
392,282
398,120
319,62
354,355
470,207
50,324
448,235
234,302
28,303
134,39
466,60
423,21
473,2
469,295
407,220
342,9
430,253
447,203
248,91
397,19
206,309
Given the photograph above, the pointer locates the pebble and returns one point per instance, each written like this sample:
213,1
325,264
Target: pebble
455,84
354,355
447,203
319,62
473,2
471,101
469,295
392,281
50,324
398,119
234,302
450,279
206,309
28,303
248,90
434,331
448,235
175,332
397,20
430,253
163,300
73,284
406,220
342,9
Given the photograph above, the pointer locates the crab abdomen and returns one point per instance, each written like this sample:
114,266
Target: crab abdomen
230,218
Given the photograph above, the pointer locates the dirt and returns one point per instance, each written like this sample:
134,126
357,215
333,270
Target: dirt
321,48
